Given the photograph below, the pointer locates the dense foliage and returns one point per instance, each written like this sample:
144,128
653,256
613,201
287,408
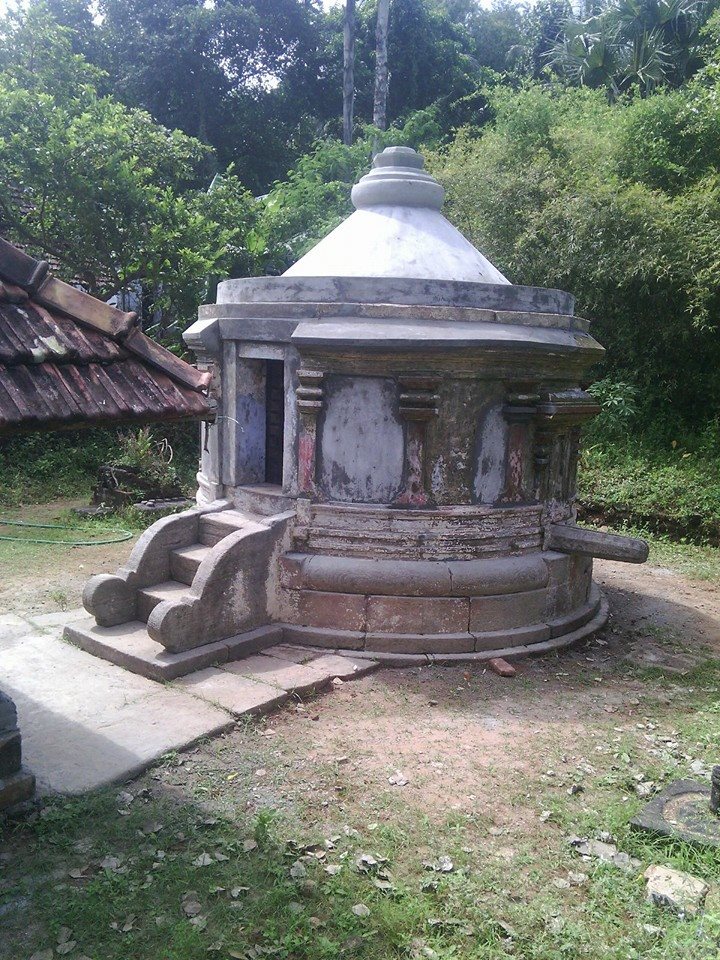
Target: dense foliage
621,205
630,44
260,80
114,198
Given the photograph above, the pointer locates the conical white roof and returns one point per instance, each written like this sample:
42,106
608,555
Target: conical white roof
397,230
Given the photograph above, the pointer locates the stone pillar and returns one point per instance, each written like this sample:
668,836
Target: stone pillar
418,405
16,784
210,487
559,417
542,456
207,347
519,410
309,403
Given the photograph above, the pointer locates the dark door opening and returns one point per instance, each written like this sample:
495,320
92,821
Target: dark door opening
274,420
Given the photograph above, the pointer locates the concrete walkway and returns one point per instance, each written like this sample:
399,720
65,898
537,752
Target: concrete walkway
86,722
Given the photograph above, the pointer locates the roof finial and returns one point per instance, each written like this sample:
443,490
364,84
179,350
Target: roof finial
398,180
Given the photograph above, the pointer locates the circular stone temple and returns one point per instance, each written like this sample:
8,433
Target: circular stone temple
392,468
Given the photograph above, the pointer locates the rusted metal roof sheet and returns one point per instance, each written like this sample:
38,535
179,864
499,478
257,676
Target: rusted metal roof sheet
67,359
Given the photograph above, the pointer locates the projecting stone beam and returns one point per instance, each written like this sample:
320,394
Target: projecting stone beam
594,543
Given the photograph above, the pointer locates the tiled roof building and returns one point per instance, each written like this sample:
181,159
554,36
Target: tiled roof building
68,360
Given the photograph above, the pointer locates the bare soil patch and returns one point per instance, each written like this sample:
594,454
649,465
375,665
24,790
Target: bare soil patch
43,578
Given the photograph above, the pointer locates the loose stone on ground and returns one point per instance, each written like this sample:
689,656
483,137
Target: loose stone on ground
605,851
675,890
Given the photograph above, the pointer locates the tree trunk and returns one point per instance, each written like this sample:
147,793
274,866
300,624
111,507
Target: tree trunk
348,70
381,66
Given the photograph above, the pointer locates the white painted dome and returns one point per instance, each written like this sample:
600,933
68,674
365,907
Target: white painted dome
397,230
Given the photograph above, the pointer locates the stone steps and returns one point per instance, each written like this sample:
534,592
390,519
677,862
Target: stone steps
150,597
129,645
215,526
173,623
184,562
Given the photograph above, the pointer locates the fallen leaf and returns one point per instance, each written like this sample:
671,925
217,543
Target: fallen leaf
110,863
220,857
236,891
190,904
333,869
204,860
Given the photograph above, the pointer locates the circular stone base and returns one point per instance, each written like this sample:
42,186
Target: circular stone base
320,640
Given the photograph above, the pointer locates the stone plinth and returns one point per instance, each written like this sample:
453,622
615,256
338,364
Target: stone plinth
16,784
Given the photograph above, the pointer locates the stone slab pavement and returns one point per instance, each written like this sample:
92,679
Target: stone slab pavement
86,723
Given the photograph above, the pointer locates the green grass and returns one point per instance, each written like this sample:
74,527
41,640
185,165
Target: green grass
670,490
692,560
46,466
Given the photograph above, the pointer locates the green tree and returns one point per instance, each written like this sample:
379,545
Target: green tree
241,75
112,196
628,44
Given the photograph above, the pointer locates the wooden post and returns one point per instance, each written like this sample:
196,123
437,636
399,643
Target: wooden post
348,71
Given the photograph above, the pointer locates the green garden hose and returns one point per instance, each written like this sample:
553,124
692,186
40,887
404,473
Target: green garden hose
119,534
